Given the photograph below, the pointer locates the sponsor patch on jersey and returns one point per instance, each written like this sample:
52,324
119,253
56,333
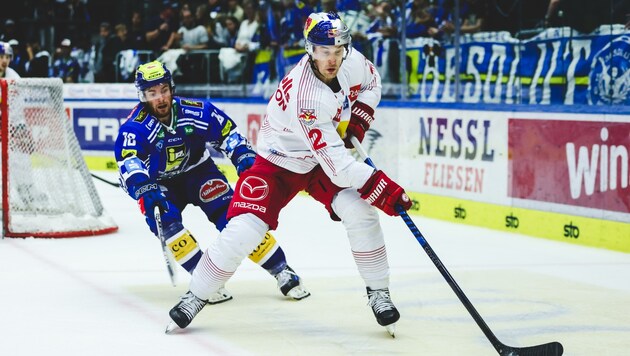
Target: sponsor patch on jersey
193,103
254,188
142,115
212,190
307,116
354,92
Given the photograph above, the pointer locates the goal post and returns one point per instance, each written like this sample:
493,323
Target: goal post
47,189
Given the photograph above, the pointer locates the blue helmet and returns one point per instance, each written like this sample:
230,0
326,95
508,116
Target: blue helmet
326,29
5,48
151,74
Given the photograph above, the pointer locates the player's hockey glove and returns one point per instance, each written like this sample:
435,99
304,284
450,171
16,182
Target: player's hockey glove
244,162
149,196
384,193
243,157
361,117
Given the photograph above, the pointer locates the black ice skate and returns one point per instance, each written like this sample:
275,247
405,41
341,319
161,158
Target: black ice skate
185,311
290,284
384,310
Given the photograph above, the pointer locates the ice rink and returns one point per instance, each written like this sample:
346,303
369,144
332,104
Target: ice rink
110,295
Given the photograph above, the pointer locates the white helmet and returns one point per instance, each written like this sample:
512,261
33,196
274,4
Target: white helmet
5,48
326,29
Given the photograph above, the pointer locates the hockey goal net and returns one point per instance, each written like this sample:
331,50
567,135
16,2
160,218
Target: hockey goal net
47,190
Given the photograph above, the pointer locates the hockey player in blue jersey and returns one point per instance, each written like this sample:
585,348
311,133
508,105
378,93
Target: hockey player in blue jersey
164,161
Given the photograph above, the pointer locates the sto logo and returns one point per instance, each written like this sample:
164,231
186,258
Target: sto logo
254,188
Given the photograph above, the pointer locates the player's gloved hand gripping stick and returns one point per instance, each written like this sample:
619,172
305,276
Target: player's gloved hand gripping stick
548,349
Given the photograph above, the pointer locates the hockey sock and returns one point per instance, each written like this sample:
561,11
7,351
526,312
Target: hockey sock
183,246
365,236
239,238
269,255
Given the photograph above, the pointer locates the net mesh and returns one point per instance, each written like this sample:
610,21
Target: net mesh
48,190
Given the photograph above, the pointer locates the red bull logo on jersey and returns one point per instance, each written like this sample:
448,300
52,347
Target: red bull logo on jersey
307,116
212,189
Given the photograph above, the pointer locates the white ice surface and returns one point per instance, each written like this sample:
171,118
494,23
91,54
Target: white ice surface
110,294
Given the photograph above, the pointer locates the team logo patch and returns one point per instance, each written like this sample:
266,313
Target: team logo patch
307,116
193,103
254,188
212,189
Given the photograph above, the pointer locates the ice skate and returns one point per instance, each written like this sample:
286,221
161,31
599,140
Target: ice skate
185,311
384,310
222,295
290,284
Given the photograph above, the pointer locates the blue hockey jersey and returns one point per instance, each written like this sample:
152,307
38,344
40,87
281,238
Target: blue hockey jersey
149,151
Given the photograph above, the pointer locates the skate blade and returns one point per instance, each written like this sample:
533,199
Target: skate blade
391,329
171,327
298,293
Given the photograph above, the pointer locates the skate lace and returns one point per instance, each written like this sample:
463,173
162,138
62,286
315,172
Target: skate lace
379,300
191,305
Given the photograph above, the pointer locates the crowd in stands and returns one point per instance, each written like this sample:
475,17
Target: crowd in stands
234,31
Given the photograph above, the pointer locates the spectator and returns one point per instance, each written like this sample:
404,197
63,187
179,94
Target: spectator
472,14
161,30
226,32
82,53
234,59
215,9
121,40
233,8
419,20
39,60
20,58
104,54
383,34
190,36
292,26
71,17
137,32
65,66
10,31
585,15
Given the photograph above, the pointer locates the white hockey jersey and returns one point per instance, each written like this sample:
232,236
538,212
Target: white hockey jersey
305,120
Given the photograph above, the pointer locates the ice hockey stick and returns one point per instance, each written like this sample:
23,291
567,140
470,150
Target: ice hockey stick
549,349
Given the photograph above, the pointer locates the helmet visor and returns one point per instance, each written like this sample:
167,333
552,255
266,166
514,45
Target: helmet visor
155,92
329,53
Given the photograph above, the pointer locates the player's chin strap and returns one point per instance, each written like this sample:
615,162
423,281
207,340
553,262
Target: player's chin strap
551,348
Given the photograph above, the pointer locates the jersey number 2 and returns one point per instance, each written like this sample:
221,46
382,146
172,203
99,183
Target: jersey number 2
316,136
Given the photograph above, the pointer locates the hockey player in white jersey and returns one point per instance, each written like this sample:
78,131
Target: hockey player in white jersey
330,95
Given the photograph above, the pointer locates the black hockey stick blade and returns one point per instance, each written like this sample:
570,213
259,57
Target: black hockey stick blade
549,349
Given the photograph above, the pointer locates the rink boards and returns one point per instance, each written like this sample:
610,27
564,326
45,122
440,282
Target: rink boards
560,173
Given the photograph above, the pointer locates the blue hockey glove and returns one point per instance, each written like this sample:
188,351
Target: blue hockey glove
244,162
149,196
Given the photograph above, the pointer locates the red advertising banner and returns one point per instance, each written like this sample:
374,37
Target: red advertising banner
579,163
